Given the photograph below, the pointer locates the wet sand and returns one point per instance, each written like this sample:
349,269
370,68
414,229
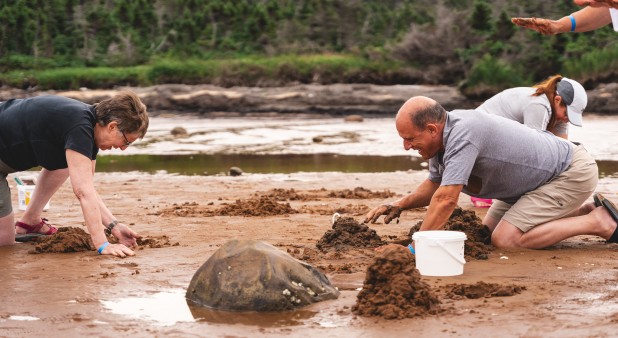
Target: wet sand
565,291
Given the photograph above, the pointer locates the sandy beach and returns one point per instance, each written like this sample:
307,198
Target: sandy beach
568,290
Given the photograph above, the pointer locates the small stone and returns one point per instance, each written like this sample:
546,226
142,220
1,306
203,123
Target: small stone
235,171
179,132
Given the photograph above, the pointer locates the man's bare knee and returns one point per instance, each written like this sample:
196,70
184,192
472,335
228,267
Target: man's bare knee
501,242
506,236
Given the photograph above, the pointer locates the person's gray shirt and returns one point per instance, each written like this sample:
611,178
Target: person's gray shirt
519,104
495,157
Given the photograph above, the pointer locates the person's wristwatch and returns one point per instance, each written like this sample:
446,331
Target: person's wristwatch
110,227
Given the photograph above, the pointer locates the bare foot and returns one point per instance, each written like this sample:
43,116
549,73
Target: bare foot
586,209
606,222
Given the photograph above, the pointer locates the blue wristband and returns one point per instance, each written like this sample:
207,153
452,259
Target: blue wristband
411,249
102,247
573,23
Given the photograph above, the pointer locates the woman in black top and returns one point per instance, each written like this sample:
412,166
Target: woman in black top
63,136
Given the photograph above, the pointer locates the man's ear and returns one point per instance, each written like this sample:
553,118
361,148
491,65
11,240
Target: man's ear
432,128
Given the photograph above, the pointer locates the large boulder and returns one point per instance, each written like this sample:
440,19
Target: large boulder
248,275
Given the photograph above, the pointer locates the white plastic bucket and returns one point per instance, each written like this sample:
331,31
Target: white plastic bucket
439,252
24,194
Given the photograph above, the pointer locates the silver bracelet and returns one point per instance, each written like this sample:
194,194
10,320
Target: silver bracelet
110,227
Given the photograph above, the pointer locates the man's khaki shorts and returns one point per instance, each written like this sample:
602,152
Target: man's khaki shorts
555,199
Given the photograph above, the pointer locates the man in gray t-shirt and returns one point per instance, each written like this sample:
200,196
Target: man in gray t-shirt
539,180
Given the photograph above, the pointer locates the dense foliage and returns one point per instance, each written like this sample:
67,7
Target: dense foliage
71,43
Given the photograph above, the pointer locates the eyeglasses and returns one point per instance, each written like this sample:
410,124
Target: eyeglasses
126,140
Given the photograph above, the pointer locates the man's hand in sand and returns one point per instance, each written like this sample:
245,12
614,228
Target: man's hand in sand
125,235
391,212
118,250
543,26
597,3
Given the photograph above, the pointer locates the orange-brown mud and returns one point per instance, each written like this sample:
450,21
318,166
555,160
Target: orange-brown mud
477,244
394,289
568,290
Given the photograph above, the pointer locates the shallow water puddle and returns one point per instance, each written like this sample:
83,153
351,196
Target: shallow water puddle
169,307
601,303
164,308
23,318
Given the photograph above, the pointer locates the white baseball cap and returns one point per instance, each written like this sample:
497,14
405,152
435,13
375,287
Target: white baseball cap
574,96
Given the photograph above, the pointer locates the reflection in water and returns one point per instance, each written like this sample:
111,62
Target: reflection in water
263,319
23,318
284,164
260,164
170,307
164,308
315,314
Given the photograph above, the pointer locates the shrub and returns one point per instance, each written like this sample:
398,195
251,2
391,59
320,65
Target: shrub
489,76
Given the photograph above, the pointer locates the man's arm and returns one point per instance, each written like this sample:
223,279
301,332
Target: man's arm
420,197
442,204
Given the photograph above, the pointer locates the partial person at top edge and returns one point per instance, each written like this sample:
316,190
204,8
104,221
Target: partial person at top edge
596,14
64,136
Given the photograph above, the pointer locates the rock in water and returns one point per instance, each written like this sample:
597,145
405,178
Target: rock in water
235,171
248,275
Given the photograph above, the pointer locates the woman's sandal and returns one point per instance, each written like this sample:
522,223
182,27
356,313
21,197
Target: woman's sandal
32,231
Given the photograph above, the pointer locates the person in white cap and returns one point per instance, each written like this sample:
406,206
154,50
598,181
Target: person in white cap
592,17
549,105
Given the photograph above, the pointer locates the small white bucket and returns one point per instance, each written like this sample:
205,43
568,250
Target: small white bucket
439,252
24,194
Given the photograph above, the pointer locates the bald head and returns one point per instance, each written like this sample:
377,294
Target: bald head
420,123
421,110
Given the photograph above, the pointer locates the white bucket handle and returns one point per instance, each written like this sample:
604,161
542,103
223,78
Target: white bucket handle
455,257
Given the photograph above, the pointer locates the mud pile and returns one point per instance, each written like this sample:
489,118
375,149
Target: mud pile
155,242
360,193
289,194
393,288
255,206
482,290
478,239
71,239
348,233
67,239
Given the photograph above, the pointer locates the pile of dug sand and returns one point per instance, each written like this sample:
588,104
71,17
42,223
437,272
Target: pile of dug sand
361,193
67,239
478,236
254,206
482,290
393,288
71,239
348,233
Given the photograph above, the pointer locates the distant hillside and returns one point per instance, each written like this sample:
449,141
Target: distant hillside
467,42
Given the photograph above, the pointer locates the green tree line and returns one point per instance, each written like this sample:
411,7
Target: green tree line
472,43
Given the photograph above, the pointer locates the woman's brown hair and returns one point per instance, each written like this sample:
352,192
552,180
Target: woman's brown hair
127,110
549,87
